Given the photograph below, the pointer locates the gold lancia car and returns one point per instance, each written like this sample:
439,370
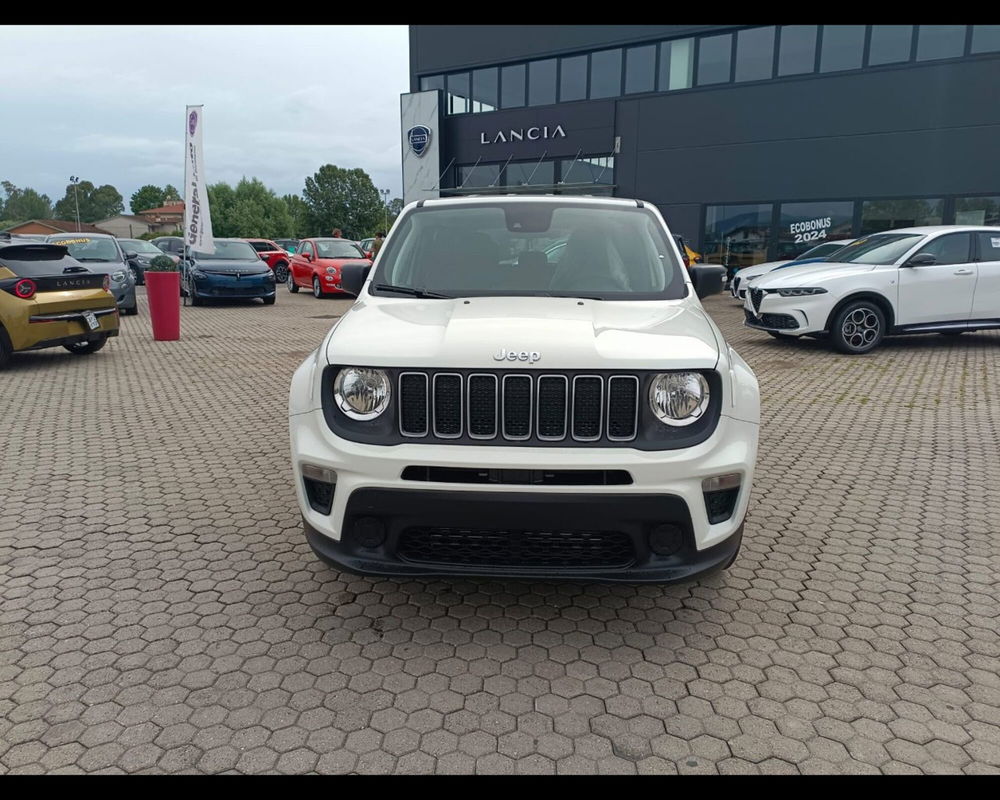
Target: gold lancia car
48,299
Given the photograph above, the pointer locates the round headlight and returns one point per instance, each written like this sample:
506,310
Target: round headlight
678,398
361,393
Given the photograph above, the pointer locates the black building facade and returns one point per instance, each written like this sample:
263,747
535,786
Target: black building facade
755,142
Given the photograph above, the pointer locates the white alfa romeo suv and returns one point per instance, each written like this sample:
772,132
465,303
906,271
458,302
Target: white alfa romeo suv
941,279
483,409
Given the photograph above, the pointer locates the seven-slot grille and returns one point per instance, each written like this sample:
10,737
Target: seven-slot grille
518,406
756,296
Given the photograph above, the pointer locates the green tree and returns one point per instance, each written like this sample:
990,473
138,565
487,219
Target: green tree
24,204
96,203
345,199
299,212
395,207
145,198
249,210
170,195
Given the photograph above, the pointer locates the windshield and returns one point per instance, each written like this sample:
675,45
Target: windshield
229,251
611,252
883,248
821,250
337,248
140,246
85,249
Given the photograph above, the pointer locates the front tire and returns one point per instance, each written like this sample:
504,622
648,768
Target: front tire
858,328
195,299
317,287
281,272
86,348
269,301
293,287
131,312
5,348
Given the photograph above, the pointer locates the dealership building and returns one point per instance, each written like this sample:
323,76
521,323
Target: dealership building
754,141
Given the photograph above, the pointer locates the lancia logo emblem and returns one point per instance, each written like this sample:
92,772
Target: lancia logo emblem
419,138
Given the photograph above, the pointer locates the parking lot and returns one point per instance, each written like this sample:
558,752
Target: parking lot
160,610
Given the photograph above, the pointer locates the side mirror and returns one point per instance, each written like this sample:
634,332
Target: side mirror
921,260
707,279
131,255
307,256
353,277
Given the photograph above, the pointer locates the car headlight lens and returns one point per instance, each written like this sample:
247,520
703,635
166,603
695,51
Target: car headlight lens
331,270
679,398
361,393
799,292
119,276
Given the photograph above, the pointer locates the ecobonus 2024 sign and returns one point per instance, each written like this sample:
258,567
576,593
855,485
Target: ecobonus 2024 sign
531,134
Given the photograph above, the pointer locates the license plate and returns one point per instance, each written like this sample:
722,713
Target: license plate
91,319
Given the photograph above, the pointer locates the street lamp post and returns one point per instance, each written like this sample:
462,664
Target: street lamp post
385,208
76,194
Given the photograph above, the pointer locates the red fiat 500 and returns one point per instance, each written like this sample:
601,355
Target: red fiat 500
275,257
317,263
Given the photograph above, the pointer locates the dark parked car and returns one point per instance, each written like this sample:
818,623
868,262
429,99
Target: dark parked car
171,245
233,271
144,253
100,252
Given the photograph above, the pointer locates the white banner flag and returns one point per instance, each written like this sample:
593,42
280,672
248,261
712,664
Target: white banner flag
197,220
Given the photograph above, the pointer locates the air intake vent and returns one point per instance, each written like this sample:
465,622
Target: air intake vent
588,402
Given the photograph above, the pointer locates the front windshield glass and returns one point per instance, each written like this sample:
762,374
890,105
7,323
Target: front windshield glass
229,251
821,251
141,246
337,248
263,247
882,248
504,248
85,249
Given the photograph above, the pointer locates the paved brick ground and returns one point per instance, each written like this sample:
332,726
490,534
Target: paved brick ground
161,612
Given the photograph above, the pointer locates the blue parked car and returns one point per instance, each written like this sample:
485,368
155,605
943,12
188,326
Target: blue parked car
234,271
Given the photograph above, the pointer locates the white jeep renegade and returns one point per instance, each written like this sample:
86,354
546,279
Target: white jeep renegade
526,387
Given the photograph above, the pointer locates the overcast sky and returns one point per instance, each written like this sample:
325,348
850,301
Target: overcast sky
107,103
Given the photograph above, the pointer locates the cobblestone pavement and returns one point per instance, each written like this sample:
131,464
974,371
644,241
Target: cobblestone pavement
160,610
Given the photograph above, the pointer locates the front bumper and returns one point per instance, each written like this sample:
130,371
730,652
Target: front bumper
666,488
236,288
789,315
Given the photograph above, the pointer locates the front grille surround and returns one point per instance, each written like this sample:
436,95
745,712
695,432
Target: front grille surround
756,298
413,413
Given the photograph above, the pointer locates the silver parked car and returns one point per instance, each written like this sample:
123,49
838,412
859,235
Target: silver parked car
100,252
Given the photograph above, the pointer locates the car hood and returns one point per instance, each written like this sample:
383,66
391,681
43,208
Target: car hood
564,333
809,274
759,269
225,265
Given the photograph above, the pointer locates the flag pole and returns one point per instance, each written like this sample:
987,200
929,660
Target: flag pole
184,215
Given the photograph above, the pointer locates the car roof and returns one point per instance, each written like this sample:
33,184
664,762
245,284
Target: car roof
81,234
930,230
561,199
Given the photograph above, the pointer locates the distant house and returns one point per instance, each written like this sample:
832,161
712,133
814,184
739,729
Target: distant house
164,218
126,226
47,226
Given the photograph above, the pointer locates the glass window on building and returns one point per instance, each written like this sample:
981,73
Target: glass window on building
977,211
640,69
542,82
530,173
572,78
797,51
884,215
803,226
985,38
940,41
676,65
478,176
715,56
590,170
843,47
606,73
458,93
485,84
755,54
512,86
429,82
737,236
890,44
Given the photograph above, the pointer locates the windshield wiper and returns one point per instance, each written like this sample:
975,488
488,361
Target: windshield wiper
75,269
385,287
99,260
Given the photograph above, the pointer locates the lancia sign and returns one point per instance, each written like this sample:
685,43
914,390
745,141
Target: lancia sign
419,138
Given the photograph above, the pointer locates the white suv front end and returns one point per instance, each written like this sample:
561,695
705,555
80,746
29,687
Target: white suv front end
461,428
